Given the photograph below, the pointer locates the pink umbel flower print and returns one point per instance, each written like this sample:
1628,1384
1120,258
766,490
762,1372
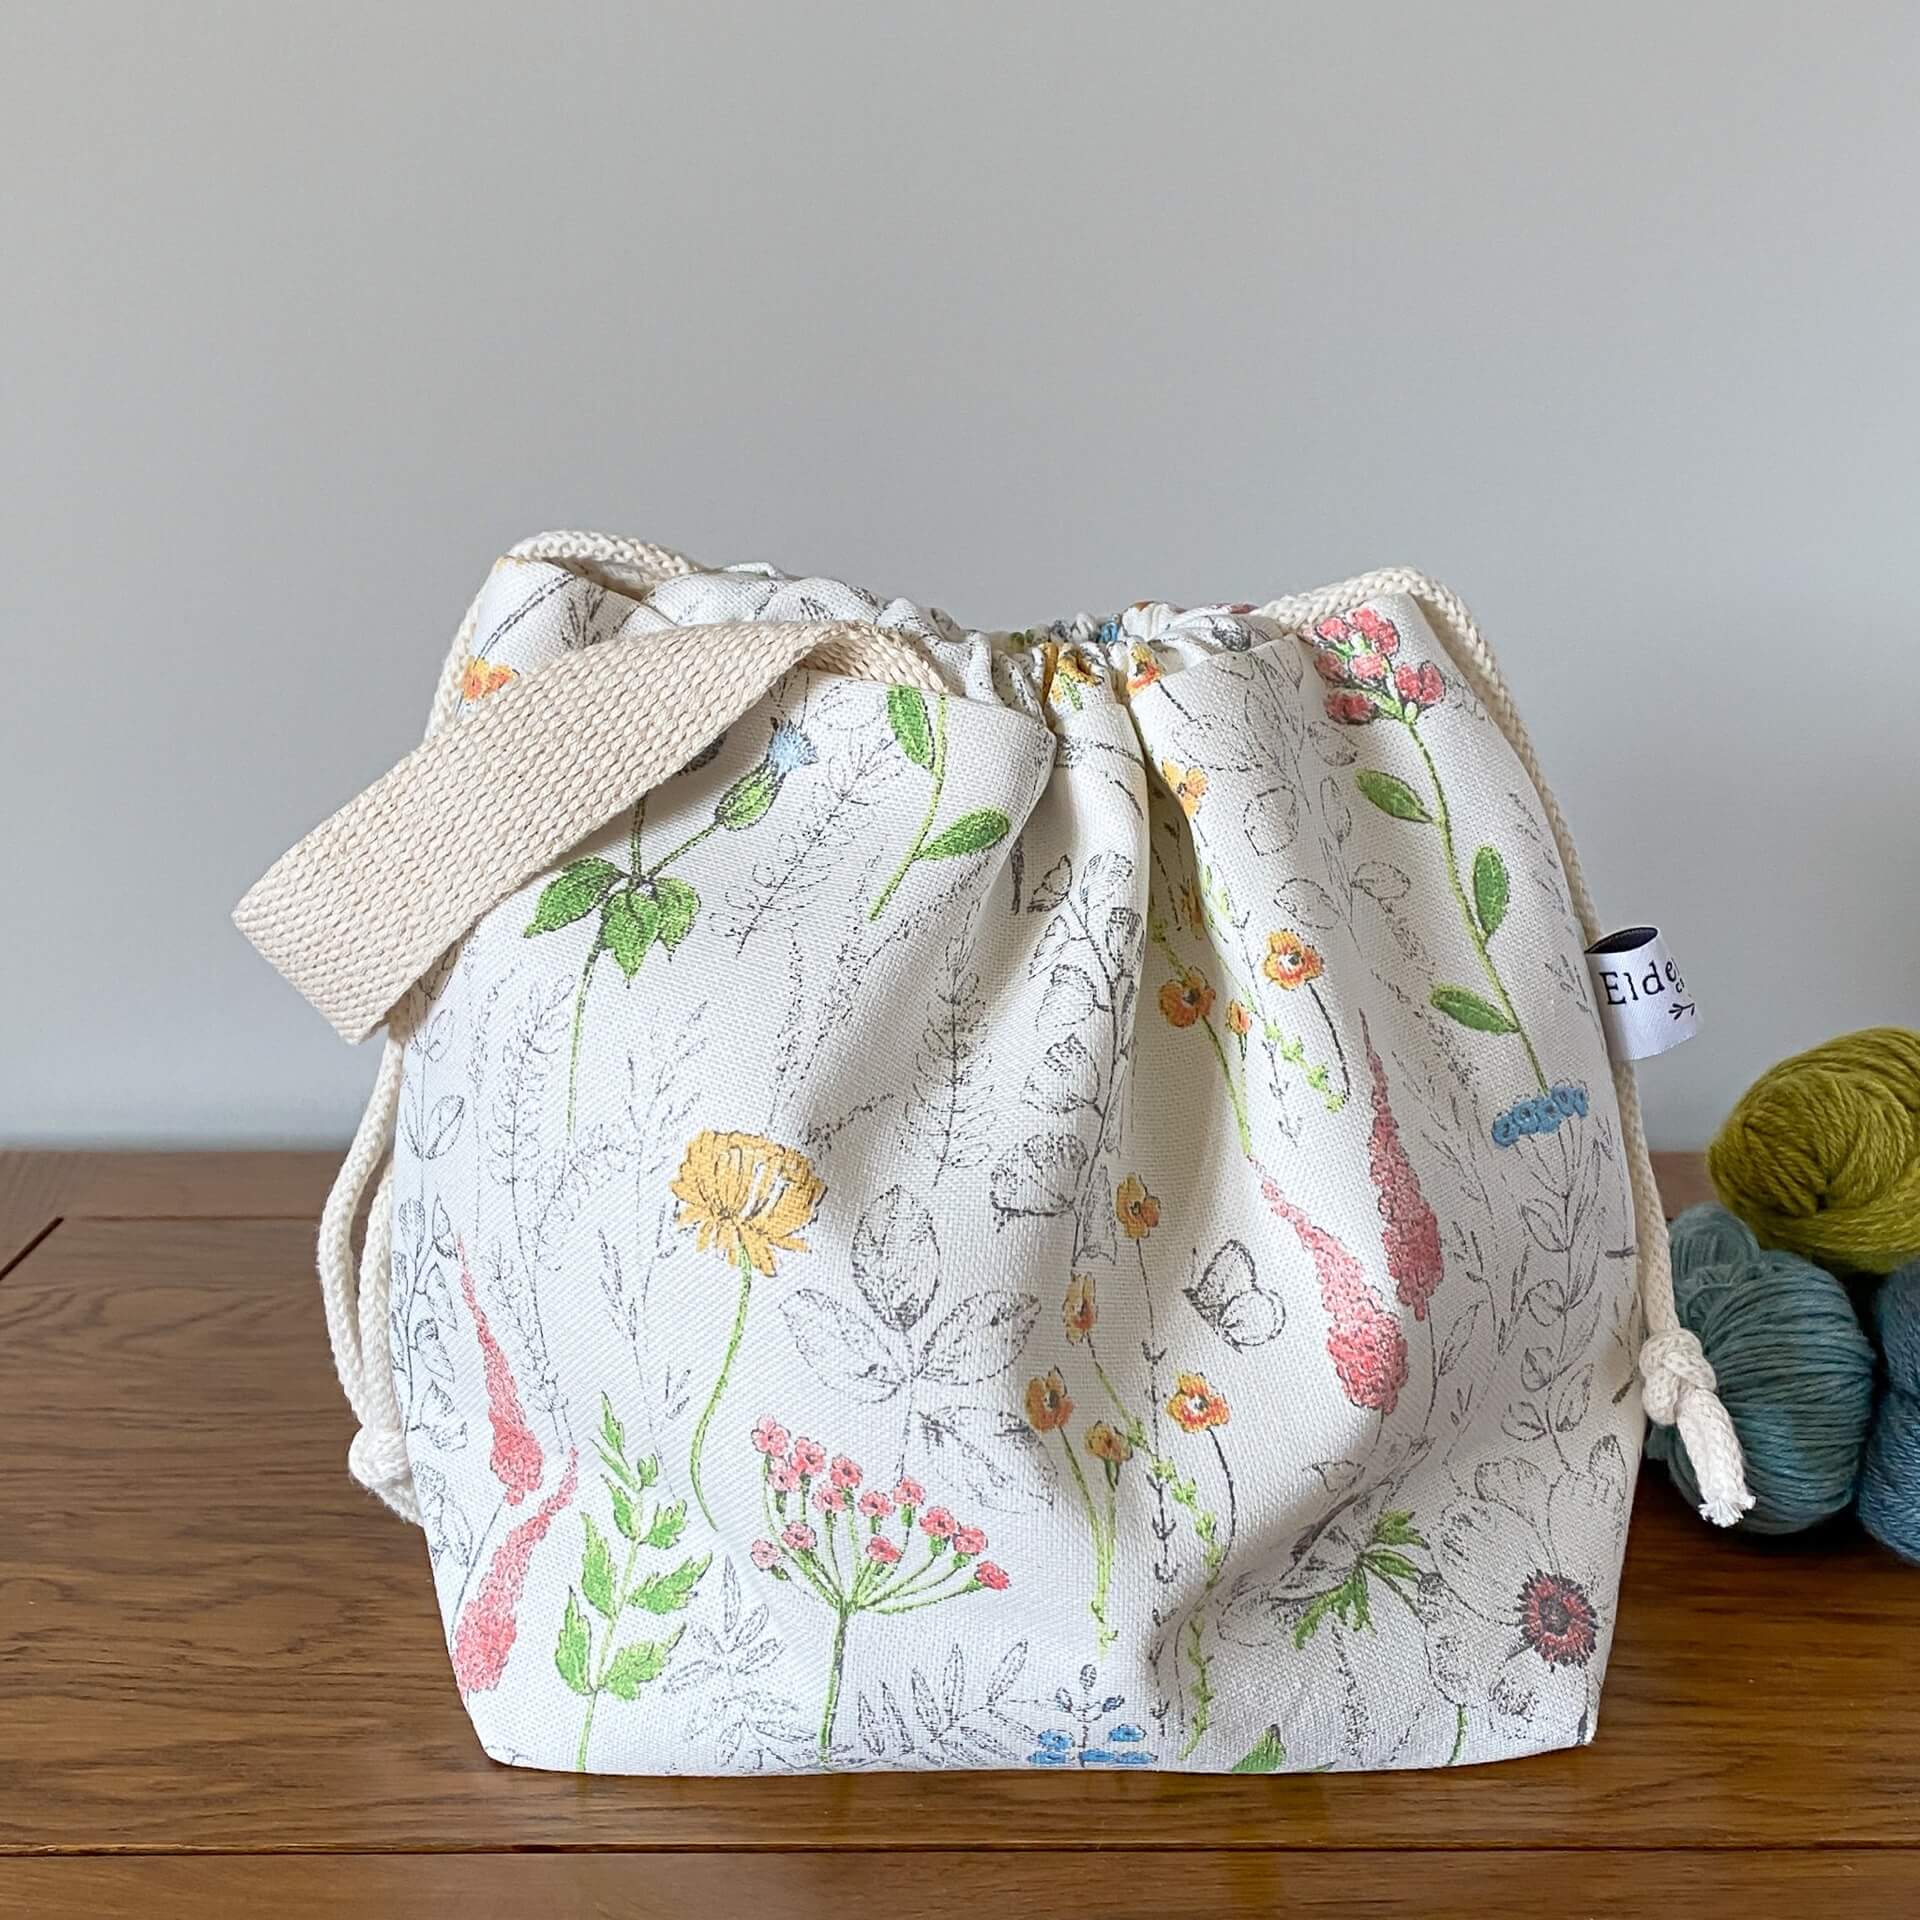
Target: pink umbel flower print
1368,1350
770,1437
875,1504
969,1540
484,1635
1380,632
830,1499
799,1537
881,1551
845,1475
910,1493
809,1456
939,1523
516,1460
1411,1233
1420,686
764,1555
783,1476
986,1574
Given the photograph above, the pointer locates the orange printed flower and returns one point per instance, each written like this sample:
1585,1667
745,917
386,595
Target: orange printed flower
482,677
746,1197
1193,907
1080,1312
1142,668
1048,1407
1187,999
1239,1020
1195,1404
1109,1444
1290,962
1135,1208
1064,671
1189,785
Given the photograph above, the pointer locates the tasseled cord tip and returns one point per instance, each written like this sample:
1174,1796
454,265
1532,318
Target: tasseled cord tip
1679,1388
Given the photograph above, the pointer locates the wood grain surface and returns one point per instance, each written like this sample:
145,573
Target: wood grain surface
219,1659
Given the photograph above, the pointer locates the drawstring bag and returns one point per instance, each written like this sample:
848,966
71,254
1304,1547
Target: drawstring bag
1042,1199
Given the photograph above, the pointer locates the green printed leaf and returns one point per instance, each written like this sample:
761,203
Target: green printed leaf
611,1431
669,1592
1391,795
972,833
628,923
668,1525
1268,1755
570,1655
596,1571
647,1470
1392,1566
572,895
1471,1011
679,907
1490,889
626,1516
907,716
634,1666
1395,1528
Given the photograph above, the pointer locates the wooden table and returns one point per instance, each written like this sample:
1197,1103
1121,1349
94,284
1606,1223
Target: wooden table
223,1689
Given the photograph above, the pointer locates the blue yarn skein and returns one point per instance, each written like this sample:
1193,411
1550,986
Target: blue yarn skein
1890,1480
1795,1369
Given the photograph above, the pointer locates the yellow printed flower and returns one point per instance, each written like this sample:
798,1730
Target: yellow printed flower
1135,1208
1290,962
1187,999
1108,1443
1142,668
1189,785
1196,1405
482,677
1081,1311
1064,671
1048,1407
746,1197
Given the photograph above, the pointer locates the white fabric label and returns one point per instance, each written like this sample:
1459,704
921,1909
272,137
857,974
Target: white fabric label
1644,1003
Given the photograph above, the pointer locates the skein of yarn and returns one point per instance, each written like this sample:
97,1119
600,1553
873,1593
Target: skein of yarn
1890,1479
1822,1153
1795,1371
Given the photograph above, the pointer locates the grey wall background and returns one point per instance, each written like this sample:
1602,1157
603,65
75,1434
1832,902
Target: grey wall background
1606,315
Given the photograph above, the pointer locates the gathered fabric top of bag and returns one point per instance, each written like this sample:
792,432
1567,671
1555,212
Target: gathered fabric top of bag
1275,1146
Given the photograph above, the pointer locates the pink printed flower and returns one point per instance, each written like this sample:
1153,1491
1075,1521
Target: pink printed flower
809,1456
830,1499
1412,1234
770,1436
846,1475
1368,1350
909,1493
783,1476
799,1537
939,1523
1379,630
875,1504
986,1574
1420,686
1330,667
881,1551
1367,666
1333,628
969,1540
764,1554
485,1634
516,1460
1351,709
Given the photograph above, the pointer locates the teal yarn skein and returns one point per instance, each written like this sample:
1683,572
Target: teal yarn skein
1796,1373
1890,1480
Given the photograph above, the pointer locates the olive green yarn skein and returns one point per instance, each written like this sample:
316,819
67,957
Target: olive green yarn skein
1822,1153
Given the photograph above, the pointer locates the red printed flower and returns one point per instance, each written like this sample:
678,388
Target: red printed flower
770,1436
1368,666
939,1523
783,1476
969,1540
881,1551
799,1537
1380,632
1412,1234
1419,686
1333,628
830,1499
845,1474
1331,667
1351,709
485,1634
764,1554
516,1460
986,1574
875,1504
809,1456
909,1493
1557,1620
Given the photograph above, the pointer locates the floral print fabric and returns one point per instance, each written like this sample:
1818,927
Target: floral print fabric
1078,1221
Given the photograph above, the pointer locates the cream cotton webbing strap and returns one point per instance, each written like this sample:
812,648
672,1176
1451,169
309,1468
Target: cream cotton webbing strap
357,911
